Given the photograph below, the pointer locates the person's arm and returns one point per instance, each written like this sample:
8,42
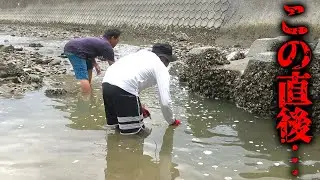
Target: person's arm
96,66
163,82
108,55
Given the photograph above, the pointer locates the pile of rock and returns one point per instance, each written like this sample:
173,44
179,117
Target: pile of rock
205,76
250,82
21,71
257,91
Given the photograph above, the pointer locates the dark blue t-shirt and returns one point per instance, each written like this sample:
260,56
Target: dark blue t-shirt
90,48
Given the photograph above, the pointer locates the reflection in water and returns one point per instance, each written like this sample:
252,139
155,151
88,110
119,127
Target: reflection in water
85,114
125,159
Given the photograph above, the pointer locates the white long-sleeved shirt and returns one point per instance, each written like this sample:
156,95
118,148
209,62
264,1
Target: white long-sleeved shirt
138,71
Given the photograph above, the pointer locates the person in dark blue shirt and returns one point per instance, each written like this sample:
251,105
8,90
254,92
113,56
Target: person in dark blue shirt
82,53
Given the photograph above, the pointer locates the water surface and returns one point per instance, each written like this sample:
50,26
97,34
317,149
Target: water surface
61,138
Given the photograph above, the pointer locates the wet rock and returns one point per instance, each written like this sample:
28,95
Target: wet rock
34,78
266,45
55,92
180,36
37,60
74,29
55,62
315,89
245,52
8,49
47,61
35,45
43,61
177,68
18,49
235,56
209,55
39,69
256,91
237,46
10,70
63,55
208,74
11,79
35,55
27,70
316,49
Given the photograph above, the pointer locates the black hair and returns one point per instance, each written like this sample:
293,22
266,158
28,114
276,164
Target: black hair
112,33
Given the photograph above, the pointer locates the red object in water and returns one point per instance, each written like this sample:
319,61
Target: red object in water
145,113
295,148
176,122
294,160
295,172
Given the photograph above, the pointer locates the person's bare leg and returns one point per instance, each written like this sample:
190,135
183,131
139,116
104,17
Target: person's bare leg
85,87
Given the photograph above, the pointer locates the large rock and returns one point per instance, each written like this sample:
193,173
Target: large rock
180,36
209,55
250,82
35,45
207,73
55,92
235,56
256,91
35,78
177,68
266,45
315,89
10,70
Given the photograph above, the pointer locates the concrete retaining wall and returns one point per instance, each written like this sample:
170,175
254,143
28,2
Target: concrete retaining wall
204,14
182,13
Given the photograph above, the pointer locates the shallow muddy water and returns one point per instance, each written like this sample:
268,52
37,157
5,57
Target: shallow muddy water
61,138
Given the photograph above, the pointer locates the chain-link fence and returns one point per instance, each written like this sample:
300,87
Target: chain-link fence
211,14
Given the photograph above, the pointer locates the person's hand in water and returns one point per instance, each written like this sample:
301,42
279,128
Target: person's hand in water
176,123
145,112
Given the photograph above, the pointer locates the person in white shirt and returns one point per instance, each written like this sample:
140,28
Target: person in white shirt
127,77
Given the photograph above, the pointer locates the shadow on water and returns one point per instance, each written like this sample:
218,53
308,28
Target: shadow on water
126,159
